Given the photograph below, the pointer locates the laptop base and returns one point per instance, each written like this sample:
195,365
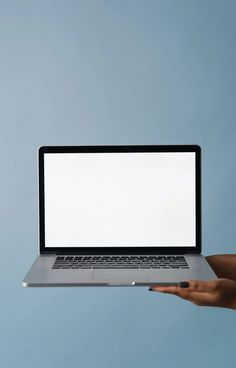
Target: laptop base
41,274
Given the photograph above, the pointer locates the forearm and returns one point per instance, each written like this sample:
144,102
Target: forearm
224,265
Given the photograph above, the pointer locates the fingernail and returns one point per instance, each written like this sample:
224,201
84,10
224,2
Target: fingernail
150,289
184,284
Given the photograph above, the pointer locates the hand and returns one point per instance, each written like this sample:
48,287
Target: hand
215,293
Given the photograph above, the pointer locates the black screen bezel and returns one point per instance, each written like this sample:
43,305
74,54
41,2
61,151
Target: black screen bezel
119,250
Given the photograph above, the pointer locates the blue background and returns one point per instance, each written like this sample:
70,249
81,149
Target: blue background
113,72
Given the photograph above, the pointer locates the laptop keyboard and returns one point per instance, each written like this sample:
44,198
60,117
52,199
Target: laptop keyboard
120,262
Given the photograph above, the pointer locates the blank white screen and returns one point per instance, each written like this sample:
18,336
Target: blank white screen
119,199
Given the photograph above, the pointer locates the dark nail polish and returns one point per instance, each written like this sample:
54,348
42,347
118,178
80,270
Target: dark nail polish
184,284
150,289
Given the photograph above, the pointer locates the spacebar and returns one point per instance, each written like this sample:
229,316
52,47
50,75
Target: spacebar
116,267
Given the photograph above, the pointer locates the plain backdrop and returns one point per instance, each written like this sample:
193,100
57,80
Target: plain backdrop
113,72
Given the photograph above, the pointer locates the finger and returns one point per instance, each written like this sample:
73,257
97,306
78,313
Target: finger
176,290
199,298
166,289
196,297
203,286
194,285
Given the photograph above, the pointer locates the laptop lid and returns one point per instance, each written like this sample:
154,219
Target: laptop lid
139,199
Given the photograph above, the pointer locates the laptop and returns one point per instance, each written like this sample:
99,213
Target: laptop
119,216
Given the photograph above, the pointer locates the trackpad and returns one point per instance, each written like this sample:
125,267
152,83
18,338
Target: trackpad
119,275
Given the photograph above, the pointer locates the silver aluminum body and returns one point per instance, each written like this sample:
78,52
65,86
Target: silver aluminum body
42,274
